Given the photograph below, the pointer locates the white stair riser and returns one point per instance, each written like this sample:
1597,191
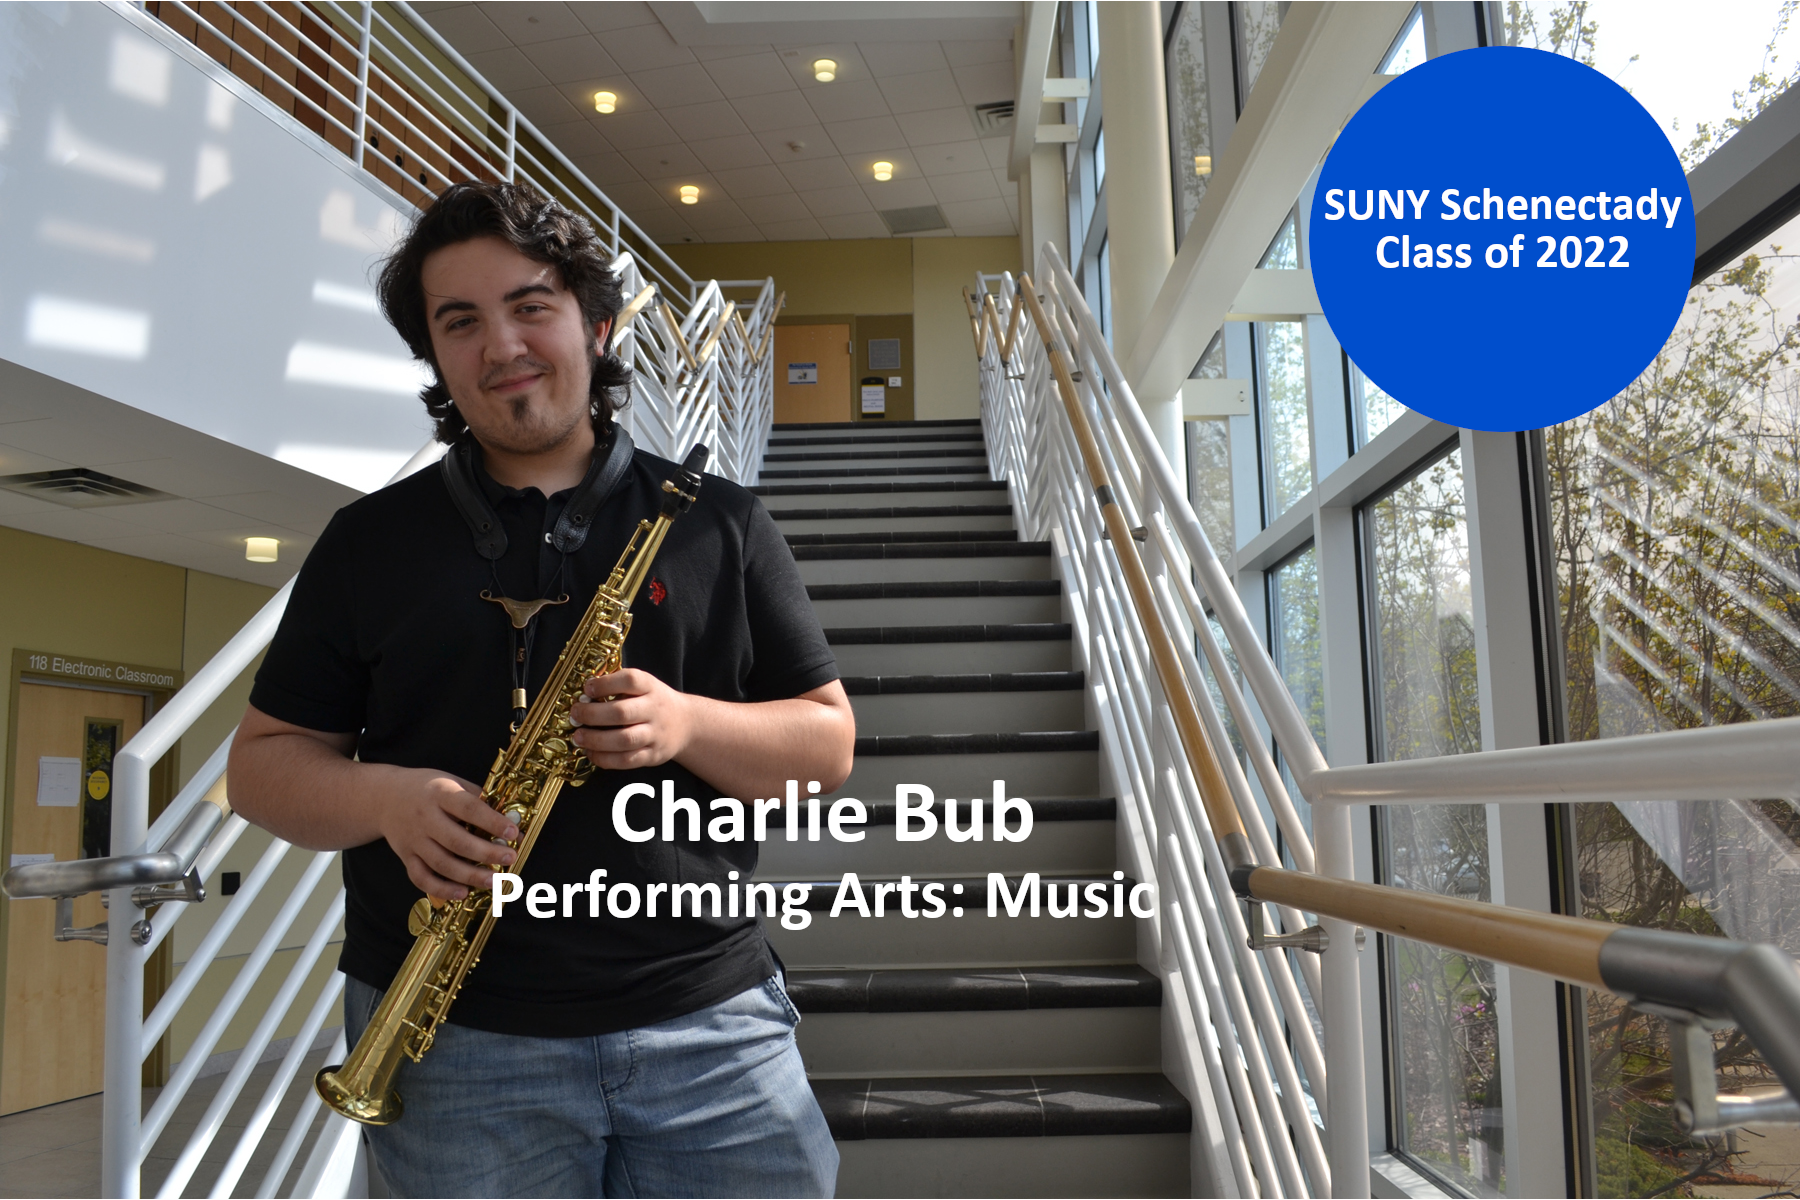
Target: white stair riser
1108,1165
1065,848
1042,1041
971,940
777,461
931,658
922,570
884,524
779,502
939,610
1058,773
968,712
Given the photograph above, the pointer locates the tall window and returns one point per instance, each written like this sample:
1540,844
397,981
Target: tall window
1209,462
1283,415
1190,115
1294,638
1103,283
1371,409
1255,25
1440,1006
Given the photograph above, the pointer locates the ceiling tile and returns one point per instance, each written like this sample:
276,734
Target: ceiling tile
607,170
179,516
783,207
971,185
746,182
799,60
832,202
720,214
617,14
817,173
637,197
776,110
963,54
937,126
530,21
632,130
899,193
570,59
916,93
811,140
742,233
986,83
870,133
469,30
709,53
662,224
692,122
507,69
850,100
544,106
998,151
664,162
643,47
751,74
577,138
794,231
277,508
726,153
669,87
976,212
902,58
951,158
855,225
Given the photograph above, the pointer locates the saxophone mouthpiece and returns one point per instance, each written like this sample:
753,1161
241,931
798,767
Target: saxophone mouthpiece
678,497
696,462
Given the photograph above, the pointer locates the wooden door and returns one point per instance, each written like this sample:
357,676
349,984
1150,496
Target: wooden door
54,1039
812,373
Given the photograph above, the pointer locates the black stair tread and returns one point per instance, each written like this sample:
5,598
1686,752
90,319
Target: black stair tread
1040,742
876,487
993,681
872,472
873,455
972,896
941,423
805,553
891,512
933,589
1043,808
878,439
883,537
963,989
913,635
1002,1106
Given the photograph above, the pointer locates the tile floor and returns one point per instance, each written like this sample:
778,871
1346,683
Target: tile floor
55,1150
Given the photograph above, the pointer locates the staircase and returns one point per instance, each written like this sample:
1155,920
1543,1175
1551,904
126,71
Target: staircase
961,1055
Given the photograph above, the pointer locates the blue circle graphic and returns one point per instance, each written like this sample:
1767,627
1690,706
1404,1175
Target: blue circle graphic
1502,238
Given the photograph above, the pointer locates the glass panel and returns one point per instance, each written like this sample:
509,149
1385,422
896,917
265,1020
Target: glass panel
1374,409
1286,424
1257,24
1283,253
1409,49
1675,525
1294,635
1440,1006
1105,282
1190,117
1209,462
1099,159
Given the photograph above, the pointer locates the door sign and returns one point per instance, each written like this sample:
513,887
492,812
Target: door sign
803,372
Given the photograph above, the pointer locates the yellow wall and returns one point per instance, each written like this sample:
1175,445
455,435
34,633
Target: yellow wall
921,276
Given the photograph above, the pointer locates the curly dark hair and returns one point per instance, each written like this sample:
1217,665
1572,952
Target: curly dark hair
541,230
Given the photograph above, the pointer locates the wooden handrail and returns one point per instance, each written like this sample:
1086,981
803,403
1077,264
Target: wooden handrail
1012,332
622,322
675,337
975,328
712,339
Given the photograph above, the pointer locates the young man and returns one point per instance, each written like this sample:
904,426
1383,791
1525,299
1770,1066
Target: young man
587,1054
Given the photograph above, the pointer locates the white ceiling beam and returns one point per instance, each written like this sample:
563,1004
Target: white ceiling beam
1034,65
810,23
1047,134
1066,89
1316,75
1276,295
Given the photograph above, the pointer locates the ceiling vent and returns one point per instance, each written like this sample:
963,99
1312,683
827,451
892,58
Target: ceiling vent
78,487
993,119
922,219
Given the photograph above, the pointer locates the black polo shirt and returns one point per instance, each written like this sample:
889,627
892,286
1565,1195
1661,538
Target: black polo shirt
387,637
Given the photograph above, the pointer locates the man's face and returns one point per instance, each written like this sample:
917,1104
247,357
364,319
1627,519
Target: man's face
511,345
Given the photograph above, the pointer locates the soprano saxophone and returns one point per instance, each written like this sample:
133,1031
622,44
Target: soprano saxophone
523,783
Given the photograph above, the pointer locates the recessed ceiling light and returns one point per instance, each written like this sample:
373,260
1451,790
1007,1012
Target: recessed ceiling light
884,171
824,69
261,549
690,194
605,102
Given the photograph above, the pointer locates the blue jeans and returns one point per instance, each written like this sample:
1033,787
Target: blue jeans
714,1103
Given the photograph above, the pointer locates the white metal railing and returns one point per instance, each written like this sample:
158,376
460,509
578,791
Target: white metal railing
1266,1056
701,373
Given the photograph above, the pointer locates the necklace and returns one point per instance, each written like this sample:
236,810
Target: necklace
611,463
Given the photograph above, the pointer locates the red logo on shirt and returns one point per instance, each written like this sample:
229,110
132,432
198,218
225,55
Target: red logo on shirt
657,591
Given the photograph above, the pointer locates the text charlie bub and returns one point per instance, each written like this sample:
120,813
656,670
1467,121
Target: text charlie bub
915,820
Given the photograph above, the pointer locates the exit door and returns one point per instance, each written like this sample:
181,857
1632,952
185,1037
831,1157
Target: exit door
812,373
52,1047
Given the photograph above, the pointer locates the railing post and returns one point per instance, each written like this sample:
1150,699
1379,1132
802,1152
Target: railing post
362,81
1347,1113
512,152
121,1103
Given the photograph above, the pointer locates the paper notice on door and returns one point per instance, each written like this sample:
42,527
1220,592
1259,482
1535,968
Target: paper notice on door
59,782
29,860
874,399
803,372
